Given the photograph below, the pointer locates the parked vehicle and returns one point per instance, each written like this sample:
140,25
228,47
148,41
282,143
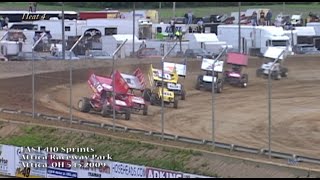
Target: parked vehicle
27,56
97,54
58,56
197,53
257,37
148,53
305,49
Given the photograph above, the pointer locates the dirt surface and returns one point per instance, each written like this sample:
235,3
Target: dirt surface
241,115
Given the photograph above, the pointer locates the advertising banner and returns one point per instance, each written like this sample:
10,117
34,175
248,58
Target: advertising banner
7,160
161,173
30,162
123,170
62,165
94,169
186,175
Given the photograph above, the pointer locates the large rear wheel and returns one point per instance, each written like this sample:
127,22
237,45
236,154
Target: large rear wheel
199,79
175,103
145,110
183,94
146,94
84,105
244,80
127,114
106,109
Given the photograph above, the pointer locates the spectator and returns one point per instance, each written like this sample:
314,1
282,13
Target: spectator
190,14
30,6
262,18
35,6
200,26
173,28
269,18
143,45
254,19
186,18
1,22
54,50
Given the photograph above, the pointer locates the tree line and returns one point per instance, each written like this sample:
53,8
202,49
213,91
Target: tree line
155,5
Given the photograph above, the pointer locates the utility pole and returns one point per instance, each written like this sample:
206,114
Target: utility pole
63,36
174,10
134,27
239,33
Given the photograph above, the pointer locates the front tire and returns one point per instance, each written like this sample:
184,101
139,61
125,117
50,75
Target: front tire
127,114
183,95
84,105
105,110
175,103
198,82
145,110
153,99
244,80
259,72
146,94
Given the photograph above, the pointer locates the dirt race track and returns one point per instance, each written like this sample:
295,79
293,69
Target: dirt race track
241,115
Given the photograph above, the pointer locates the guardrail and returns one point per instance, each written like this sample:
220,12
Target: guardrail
230,147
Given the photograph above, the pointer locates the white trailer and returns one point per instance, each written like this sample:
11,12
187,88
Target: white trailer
112,42
258,37
316,26
207,41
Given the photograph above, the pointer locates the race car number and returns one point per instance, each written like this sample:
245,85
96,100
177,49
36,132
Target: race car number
138,100
174,86
121,103
165,75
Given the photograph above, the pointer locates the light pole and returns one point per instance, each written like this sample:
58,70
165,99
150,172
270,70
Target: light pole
239,31
113,86
162,87
63,31
269,101
174,10
134,27
33,73
70,76
213,94
159,14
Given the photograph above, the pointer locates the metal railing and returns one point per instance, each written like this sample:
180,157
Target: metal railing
230,147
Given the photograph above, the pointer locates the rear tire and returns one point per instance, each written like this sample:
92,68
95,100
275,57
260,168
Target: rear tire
153,99
145,110
284,72
84,105
146,94
105,110
175,103
127,114
259,72
244,80
198,82
183,94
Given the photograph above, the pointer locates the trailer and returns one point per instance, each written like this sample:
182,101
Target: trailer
254,37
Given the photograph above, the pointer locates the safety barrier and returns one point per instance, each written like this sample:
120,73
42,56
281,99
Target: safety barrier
230,147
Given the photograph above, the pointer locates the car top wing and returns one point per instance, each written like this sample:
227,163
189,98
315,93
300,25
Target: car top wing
132,81
274,53
99,83
208,63
181,69
156,74
237,58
